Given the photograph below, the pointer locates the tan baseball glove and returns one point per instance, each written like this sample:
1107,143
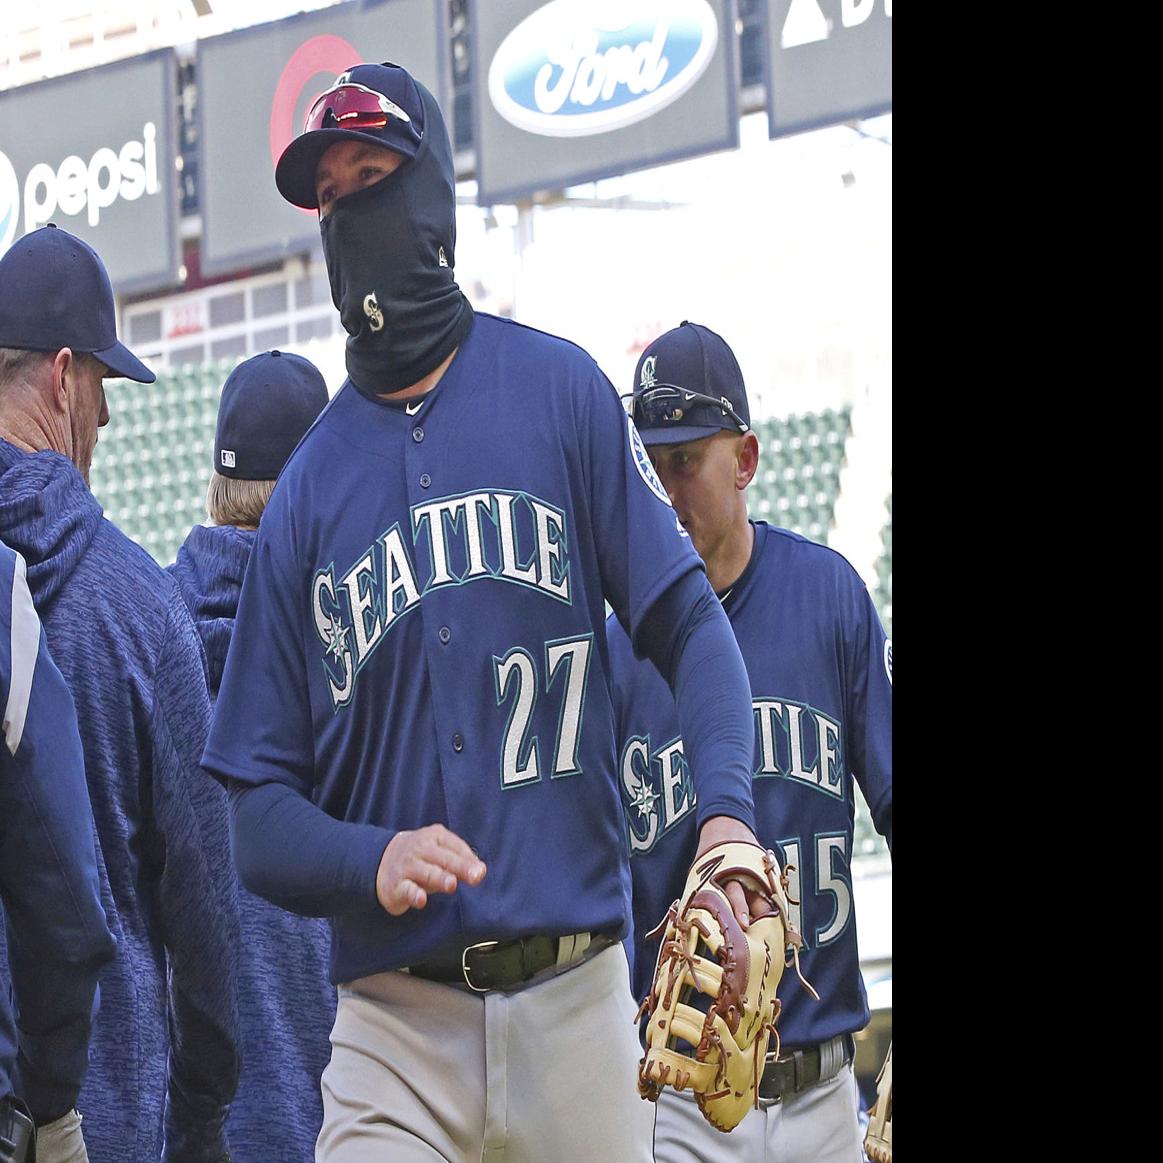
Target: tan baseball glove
712,1006
878,1138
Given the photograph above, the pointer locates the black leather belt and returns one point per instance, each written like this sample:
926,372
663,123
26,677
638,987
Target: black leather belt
796,1071
513,965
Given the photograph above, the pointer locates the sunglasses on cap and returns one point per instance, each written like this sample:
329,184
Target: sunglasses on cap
667,404
352,106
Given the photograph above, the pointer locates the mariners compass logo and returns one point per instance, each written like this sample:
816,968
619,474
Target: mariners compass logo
648,378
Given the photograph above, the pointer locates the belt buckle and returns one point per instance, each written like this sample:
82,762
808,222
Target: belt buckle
486,945
798,1070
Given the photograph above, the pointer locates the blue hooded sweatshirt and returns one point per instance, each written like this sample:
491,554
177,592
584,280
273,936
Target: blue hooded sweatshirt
164,1054
286,1003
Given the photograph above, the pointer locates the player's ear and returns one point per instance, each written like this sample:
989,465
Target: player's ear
746,459
63,371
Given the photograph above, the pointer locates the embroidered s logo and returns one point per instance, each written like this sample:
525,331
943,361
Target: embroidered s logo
372,310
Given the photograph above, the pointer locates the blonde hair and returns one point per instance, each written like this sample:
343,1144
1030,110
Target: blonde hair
237,502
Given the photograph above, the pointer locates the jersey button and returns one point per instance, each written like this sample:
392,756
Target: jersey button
458,742
417,434
425,480
445,635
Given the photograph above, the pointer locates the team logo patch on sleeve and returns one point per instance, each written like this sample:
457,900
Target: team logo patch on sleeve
643,464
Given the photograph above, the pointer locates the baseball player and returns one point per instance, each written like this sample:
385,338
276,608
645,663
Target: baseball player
821,679
59,938
415,718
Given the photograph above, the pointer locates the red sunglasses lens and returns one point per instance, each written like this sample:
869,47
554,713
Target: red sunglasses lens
346,107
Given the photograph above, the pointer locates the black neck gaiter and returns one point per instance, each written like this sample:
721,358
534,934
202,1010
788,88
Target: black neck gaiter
389,252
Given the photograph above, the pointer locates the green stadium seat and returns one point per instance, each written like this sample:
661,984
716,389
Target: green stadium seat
799,478
152,463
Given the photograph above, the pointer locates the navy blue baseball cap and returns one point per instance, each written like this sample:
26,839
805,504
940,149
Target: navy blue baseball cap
687,386
54,293
268,403
375,103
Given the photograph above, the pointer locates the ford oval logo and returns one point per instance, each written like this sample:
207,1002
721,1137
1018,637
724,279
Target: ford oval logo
576,67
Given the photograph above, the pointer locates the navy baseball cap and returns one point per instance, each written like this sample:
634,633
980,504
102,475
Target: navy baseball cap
376,103
688,386
54,293
268,403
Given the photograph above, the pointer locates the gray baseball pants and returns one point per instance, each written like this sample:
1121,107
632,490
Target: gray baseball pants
422,1071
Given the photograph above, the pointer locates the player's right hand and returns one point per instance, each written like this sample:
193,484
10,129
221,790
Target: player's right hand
430,859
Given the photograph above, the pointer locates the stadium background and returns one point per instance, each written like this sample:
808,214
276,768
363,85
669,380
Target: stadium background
782,243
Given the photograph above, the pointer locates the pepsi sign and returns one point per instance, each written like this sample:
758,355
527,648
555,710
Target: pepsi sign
107,176
77,186
576,68
571,91
9,203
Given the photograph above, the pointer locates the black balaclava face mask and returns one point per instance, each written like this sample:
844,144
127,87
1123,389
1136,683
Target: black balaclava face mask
389,252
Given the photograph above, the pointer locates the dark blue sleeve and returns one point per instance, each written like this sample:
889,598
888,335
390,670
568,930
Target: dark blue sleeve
642,548
197,903
868,660
300,858
288,850
57,936
688,637
657,586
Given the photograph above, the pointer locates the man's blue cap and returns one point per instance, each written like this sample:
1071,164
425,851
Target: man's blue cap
268,403
403,130
54,293
689,358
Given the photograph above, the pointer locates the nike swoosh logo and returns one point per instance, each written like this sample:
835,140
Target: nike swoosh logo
412,409
689,396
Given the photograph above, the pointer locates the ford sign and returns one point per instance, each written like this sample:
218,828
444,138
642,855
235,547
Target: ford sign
576,67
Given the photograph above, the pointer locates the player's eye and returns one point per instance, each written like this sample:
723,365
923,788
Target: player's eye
370,174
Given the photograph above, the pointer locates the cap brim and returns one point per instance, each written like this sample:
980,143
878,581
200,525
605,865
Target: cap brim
295,171
678,433
121,360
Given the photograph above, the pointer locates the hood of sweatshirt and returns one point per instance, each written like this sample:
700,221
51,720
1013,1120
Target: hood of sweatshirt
47,514
209,570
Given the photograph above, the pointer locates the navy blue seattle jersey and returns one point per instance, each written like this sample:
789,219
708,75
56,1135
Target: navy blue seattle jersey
821,680
420,636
